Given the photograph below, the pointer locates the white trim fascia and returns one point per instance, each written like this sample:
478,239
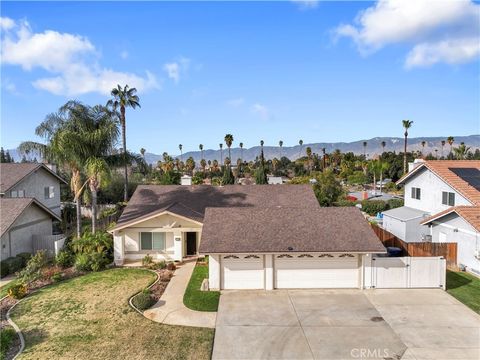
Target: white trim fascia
438,223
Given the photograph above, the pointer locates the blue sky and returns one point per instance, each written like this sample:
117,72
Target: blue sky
260,70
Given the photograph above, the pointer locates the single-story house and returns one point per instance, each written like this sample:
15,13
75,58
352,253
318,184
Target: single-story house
21,219
256,236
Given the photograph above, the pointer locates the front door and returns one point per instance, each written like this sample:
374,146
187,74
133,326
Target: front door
191,243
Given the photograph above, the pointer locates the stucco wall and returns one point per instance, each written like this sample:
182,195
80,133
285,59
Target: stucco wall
394,226
34,185
431,193
33,221
468,240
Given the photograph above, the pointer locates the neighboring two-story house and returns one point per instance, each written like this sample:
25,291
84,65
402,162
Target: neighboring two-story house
29,203
442,204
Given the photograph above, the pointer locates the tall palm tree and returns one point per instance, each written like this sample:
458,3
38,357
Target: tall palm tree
221,154
180,147
423,143
442,143
300,142
142,152
241,150
383,167
324,158
461,152
436,154
309,159
261,145
98,173
383,144
365,149
450,141
228,141
123,98
280,143
407,124
201,150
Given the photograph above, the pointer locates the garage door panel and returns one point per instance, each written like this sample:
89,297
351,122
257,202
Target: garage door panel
314,273
243,272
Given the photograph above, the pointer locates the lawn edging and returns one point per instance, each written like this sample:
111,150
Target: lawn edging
16,328
130,300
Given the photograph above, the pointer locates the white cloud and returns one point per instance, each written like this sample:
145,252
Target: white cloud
10,87
73,65
261,110
306,4
6,23
439,31
236,102
177,68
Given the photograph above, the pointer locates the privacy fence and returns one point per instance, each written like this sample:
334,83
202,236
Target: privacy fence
419,249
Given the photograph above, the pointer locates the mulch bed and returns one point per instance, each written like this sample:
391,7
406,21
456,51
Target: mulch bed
164,278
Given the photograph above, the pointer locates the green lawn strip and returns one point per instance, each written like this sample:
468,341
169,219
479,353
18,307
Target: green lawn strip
7,335
465,288
90,315
4,289
196,299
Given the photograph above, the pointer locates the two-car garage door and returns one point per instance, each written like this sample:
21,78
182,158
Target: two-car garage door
290,271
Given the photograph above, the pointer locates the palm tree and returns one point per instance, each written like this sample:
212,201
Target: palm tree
241,150
407,124
309,159
461,152
443,145
98,173
221,153
142,152
383,144
203,164
450,141
280,143
300,142
365,149
228,141
261,146
423,143
180,147
436,154
383,167
123,98
324,158
190,165
201,150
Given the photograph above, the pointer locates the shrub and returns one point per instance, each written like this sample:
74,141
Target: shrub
14,264
57,277
32,271
100,242
108,212
165,276
18,291
372,207
345,202
158,265
147,260
7,336
144,300
4,269
171,266
391,186
82,262
98,261
394,203
64,259
25,256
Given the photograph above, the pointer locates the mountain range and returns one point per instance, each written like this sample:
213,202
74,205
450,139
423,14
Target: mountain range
293,152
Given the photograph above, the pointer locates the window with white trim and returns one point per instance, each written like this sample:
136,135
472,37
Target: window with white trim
49,192
448,198
152,241
416,193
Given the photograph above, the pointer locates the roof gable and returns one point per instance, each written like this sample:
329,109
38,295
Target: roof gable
471,214
12,173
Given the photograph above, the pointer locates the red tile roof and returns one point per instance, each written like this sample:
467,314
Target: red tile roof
470,214
442,168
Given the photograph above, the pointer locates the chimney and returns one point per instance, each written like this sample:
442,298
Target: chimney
186,180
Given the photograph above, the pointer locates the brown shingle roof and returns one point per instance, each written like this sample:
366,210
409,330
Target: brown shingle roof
470,214
191,201
12,208
12,173
443,169
264,230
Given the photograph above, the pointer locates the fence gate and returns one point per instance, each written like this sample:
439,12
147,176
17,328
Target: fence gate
408,272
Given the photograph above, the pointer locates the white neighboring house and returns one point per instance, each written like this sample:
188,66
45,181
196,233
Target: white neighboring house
442,204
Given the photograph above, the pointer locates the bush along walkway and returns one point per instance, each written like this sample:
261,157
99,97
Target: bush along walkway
171,310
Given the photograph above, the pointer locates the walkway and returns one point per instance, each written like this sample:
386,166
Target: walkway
9,278
170,308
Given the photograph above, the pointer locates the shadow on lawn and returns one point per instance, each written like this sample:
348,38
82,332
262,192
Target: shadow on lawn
456,280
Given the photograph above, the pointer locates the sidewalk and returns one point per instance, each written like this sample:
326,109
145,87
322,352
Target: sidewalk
170,309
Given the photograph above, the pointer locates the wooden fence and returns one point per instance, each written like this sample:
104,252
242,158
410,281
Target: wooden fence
419,249
50,243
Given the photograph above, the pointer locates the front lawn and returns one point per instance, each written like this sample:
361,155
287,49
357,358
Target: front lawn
464,287
7,337
196,299
90,316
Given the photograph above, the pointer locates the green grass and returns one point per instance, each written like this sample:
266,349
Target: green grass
7,335
90,316
4,289
196,299
464,287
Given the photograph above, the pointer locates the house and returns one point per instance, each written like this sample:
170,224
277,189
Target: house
31,180
442,200
256,236
20,220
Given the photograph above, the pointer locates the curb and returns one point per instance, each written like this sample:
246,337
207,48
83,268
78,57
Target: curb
17,329
130,300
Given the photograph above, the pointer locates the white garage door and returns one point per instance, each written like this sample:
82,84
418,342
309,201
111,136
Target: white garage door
316,271
242,272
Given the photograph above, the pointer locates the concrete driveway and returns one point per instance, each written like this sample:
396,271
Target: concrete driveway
344,324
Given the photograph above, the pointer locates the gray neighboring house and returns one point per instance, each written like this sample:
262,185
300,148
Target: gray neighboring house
21,219
29,203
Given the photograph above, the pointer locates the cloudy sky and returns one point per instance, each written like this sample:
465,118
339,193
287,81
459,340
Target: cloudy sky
319,71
